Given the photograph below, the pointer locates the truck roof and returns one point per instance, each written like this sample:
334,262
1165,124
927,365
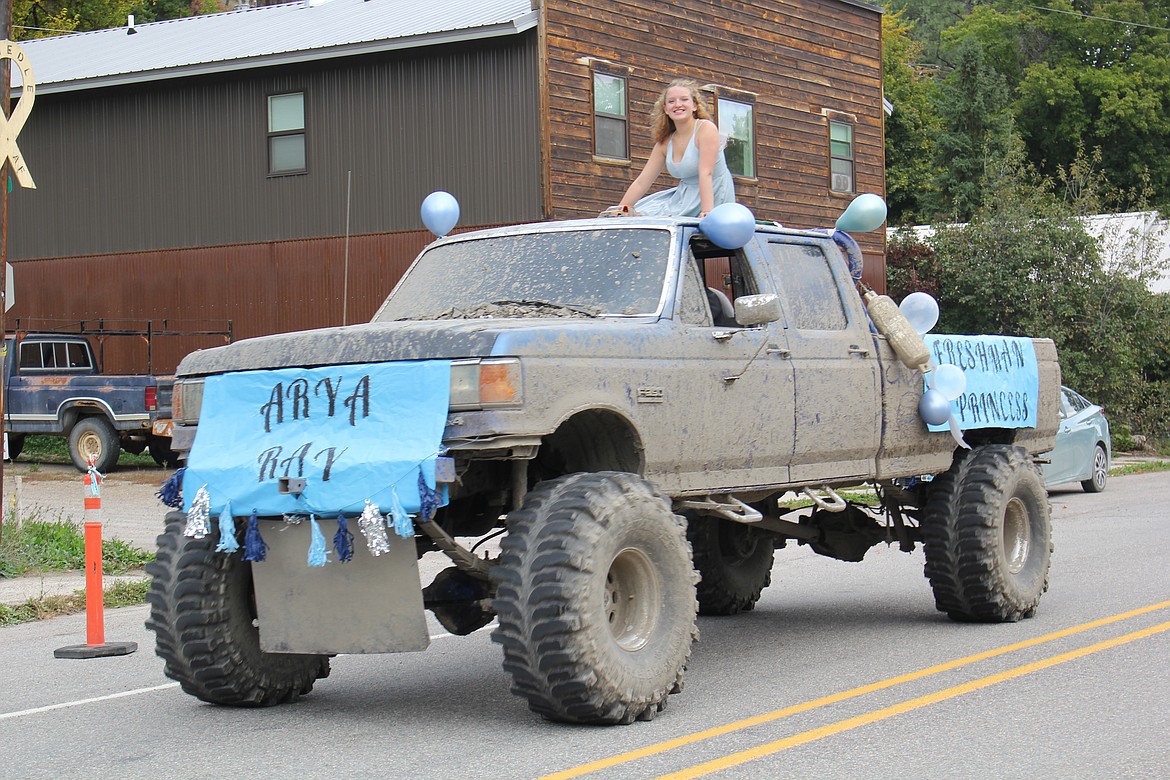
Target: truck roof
610,223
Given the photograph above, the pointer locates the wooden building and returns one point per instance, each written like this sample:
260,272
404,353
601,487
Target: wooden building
266,165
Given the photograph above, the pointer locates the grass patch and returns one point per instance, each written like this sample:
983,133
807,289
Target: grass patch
1140,467
120,594
862,497
54,449
40,545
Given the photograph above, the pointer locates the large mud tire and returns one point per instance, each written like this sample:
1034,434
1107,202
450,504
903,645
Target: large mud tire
734,562
94,437
987,534
596,599
202,612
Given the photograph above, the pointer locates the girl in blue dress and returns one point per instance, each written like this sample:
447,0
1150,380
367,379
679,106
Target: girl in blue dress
688,145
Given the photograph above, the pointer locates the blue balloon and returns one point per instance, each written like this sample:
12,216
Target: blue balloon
440,212
730,225
934,408
867,212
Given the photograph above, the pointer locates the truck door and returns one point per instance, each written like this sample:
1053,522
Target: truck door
736,380
837,405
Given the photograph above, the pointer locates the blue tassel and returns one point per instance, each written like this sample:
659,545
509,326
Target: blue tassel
317,556
343,540
428,499
227,531
171,492
254,547
403,525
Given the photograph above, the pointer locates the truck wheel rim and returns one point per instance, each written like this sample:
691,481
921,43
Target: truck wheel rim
632,596
89,445
1017,535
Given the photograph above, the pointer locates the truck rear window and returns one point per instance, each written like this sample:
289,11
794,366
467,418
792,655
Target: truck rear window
553,273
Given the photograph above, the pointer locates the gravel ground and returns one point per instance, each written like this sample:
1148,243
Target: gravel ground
130,510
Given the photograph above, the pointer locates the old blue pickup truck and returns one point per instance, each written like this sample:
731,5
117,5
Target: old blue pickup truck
53,385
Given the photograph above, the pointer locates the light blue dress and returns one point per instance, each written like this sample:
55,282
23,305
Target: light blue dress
684,200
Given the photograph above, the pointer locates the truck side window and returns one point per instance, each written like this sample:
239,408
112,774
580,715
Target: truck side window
30,355
78,356
810,291
726,275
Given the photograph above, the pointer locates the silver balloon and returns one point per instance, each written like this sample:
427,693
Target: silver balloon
934,408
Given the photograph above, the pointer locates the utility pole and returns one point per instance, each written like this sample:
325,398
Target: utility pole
6,94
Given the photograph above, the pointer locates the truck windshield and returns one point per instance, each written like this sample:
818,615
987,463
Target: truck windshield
555,273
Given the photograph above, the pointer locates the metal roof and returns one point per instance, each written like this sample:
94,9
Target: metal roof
259,37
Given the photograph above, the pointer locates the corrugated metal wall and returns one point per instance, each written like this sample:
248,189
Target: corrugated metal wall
183,163
262,288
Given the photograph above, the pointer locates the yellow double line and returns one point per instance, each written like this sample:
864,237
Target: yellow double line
812,735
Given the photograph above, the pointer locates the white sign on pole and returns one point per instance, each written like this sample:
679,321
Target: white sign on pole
9,287
10,127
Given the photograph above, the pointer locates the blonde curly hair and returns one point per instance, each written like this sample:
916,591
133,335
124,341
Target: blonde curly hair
661,125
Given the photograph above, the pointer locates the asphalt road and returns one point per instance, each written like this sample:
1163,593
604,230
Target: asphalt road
842,671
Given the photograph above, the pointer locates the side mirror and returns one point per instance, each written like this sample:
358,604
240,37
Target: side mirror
757,309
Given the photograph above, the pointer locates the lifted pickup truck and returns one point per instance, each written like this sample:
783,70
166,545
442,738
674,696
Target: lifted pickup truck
54,386
626,402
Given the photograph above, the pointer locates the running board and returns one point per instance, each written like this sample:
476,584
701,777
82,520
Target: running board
729,508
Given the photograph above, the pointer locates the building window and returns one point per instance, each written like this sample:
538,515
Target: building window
737,124
610,117
286,133
840,157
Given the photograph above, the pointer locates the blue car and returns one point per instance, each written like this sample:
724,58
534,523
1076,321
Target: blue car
1083,452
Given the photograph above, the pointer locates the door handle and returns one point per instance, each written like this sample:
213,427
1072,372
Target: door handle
856,350
781,351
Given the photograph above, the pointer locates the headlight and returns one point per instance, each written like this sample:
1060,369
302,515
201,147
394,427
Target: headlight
486,384
186,400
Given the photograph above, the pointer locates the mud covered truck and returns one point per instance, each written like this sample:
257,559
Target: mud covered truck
624,402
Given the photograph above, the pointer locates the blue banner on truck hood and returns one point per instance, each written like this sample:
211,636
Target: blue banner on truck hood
352,432
1003,379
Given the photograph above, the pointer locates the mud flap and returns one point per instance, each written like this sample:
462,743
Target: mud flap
368,605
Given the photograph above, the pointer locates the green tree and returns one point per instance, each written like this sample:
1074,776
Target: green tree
1026,265
43,18
977,130
1084,75
930,18
911,128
